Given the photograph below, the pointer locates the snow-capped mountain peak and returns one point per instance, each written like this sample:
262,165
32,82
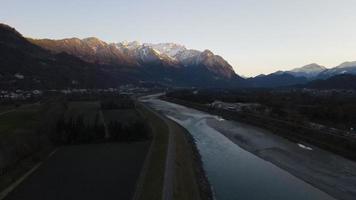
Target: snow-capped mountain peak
129,45
308,71
311,68
170,49
344,68
347,64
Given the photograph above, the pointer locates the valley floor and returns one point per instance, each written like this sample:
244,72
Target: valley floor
93,171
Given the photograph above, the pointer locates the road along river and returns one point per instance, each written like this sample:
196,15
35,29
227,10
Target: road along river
245,162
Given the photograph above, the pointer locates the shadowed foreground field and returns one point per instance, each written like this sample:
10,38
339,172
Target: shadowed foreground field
94,171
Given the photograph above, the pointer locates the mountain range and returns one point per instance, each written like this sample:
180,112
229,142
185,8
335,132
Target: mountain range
134,54
93,63
168,63
301,75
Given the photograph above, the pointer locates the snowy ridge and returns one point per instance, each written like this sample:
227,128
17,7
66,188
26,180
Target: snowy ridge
307,71
171,51
134,54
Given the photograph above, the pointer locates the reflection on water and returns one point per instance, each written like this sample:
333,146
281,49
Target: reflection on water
233,172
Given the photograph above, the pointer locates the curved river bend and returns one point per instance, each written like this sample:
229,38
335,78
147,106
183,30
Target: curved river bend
233,172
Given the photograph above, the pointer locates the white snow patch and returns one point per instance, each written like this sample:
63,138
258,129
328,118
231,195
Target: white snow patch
19,76
220,118
305,147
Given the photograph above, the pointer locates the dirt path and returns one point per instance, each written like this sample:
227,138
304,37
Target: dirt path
167,193
168,180
182,171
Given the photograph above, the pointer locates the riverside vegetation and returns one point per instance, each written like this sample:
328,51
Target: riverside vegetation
323,118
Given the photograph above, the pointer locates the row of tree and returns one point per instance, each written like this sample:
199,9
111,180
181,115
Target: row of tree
336,109
75,130
136,131
117,103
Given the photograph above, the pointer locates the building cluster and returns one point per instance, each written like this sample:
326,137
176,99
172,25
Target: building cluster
316,92
28,94
19,94
251,107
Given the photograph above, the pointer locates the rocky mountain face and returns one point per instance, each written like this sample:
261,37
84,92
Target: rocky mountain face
134,54
91,50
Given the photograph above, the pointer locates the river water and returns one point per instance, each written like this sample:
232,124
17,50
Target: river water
233,172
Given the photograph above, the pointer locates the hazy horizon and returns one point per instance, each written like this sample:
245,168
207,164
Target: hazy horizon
254,37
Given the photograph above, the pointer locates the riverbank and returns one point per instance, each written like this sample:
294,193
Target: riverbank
330,173
189,163
189,179
339,144
151,180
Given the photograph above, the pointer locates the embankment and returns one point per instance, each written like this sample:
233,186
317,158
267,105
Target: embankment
189,180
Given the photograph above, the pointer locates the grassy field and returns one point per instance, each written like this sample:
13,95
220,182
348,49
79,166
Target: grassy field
186,184
21,118
88,109
91,171
22,143
122,115
29,117
4,108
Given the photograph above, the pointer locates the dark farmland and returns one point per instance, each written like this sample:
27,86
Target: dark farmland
92,171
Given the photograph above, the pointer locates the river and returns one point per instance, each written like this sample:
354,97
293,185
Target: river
248,170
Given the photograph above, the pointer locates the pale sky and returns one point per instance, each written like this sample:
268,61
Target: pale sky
254,36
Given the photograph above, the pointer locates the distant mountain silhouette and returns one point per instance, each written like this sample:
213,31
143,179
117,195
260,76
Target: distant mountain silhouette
278,79
302,75
27,66
343,81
